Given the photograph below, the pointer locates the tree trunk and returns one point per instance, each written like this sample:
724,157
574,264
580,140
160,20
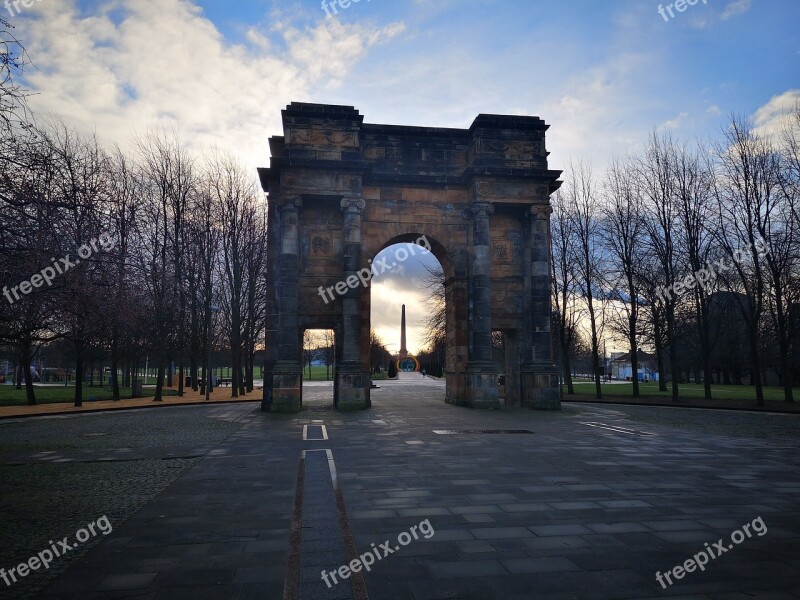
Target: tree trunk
78,375
194,345
595,350
242,382
659,343
568,372
236,348
114,367
160,378
755,368
705,347
250,366
26,368
786,362
181,378
634,362
673,355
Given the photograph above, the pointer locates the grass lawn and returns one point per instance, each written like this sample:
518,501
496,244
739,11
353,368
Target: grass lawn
743,393
10,396
318,374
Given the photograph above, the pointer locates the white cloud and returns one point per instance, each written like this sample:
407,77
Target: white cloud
128,67
676,122
770,118
738,7
591,117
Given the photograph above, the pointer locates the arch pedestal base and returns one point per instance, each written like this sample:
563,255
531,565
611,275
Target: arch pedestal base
352,387
540,387
287,387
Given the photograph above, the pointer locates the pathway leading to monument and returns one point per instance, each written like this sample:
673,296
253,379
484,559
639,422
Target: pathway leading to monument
569,510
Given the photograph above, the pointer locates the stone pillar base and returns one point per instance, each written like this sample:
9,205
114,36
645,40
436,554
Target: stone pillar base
287,387
482,389
352,387
540,387
456,390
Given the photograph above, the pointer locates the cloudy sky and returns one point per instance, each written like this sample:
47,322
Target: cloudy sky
603,74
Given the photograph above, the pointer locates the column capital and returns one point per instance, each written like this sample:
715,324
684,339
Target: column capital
353,203
479,208
289,202
540,211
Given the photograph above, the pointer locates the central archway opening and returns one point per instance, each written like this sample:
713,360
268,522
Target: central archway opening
408,313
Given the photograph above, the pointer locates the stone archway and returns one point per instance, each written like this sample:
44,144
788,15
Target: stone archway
340,190
454,264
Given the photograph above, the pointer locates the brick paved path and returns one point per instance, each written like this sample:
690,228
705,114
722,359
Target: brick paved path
591,504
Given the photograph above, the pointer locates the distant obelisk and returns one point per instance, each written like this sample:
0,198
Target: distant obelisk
403,349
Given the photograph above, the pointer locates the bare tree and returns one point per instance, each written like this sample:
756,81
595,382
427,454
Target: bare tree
235,198
123,212
656,180
82,183
564,284
14,114
748,194
436,320
693,185
158,163
255,292
581,200
206,249
624,233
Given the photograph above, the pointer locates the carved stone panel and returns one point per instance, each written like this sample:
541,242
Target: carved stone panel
503,252
322,137
321,245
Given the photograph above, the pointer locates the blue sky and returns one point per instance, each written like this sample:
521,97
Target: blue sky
603,74
618,59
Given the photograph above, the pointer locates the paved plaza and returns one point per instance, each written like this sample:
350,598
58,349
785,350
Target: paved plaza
224,501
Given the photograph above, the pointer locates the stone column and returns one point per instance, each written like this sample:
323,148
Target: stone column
539,374
270,304
353,380
482,386
287,385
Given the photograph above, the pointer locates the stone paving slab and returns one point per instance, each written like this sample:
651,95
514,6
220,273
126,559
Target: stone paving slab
569,511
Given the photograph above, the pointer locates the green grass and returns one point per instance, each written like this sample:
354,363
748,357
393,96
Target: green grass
743,393
10,396
318,374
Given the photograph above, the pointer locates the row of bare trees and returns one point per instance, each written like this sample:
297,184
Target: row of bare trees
180,267
181,273
692,251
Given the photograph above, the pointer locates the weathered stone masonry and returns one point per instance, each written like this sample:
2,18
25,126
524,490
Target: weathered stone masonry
341,190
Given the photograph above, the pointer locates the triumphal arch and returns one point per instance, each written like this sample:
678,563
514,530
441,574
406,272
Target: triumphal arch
341,190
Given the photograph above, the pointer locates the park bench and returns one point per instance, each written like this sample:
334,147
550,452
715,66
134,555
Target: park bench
225,382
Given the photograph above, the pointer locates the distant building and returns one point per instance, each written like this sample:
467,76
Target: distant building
621,367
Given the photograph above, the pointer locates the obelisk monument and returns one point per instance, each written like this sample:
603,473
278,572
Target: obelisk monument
403,349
